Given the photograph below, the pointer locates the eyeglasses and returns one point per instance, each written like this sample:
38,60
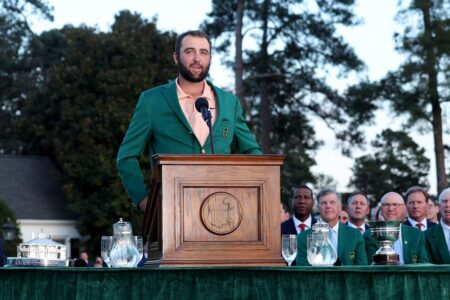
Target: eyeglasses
393,205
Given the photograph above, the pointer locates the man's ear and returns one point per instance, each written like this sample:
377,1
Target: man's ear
175,59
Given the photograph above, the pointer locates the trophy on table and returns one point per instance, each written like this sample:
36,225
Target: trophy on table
386,233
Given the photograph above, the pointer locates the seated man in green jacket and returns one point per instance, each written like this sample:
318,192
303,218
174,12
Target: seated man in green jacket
438,237
347,241
411,244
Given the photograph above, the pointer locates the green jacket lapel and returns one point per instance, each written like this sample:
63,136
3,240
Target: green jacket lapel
441,245
406,244
217,128
170,94
341,241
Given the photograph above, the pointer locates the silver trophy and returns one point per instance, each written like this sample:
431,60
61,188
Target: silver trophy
386,233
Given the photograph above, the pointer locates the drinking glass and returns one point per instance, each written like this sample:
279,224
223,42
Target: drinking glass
106,245
289,247
140,246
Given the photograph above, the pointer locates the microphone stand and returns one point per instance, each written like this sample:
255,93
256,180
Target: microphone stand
211,139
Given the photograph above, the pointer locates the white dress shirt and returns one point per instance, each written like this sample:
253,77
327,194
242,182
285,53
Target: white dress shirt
446,229
398,246
363,226
414,223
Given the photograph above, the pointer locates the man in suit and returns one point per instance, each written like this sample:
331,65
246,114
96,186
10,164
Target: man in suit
347,241
417,207
438,237
358,209
410,245
165,117
301,204
433,210
285,215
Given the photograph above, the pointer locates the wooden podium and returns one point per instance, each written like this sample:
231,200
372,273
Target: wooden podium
214,210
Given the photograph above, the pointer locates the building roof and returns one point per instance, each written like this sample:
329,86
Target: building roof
31,187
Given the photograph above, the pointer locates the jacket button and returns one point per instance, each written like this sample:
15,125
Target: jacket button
203,151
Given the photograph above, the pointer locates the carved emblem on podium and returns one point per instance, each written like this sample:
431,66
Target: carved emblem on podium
221,213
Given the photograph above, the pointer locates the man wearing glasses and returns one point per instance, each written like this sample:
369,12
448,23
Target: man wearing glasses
410,245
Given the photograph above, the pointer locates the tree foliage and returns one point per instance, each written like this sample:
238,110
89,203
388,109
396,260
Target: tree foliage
396,164
15,32
419,89
81,88
7,215
285,72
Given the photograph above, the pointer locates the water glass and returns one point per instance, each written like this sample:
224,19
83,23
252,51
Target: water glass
106,244
289,247
140,246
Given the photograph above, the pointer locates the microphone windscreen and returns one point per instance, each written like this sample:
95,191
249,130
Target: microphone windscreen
201,103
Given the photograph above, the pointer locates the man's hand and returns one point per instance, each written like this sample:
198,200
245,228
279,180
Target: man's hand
143,204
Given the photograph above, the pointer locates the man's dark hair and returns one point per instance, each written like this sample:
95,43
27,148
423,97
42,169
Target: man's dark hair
285,207
303,186
356,194
416,189
433,199
196,33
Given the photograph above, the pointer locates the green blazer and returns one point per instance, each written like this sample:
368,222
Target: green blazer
414,250
158,121
350,247
436,245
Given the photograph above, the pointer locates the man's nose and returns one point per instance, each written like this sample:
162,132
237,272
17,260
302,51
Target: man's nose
196,56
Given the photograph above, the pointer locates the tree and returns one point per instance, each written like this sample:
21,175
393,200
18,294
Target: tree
7,215
419,89
83,87
15,33
284,75
397,164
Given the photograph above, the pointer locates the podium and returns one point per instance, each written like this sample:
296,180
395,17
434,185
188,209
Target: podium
214,210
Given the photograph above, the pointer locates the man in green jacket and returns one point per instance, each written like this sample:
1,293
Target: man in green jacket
348,242
438,237
165,117
411,244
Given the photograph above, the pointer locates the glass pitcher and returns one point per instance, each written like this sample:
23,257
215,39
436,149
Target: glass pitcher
320,250
124,252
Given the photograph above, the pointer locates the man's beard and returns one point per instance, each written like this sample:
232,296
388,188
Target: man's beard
188,74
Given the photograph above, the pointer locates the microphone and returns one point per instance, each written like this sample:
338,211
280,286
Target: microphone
202,106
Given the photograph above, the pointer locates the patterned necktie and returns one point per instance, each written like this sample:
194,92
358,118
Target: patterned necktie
302,227
419,225
333,239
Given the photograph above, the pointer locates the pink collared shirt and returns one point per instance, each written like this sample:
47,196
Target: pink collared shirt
187,104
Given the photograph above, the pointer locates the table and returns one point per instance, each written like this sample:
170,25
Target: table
346,282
